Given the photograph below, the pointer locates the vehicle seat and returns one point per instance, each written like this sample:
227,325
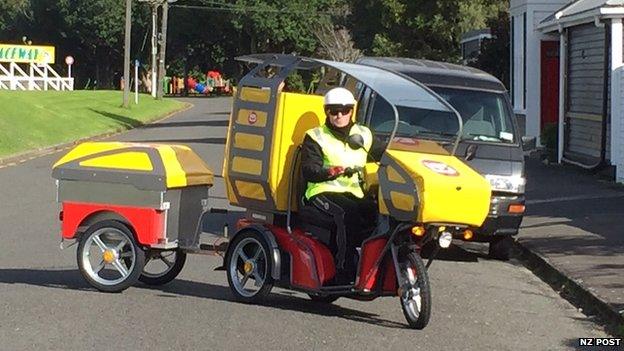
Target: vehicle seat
308,217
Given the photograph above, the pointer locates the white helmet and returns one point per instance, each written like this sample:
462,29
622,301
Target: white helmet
339,96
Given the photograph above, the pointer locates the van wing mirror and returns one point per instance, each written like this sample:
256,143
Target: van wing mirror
528,143
355,141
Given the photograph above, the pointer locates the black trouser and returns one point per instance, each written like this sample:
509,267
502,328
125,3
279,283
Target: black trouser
354,219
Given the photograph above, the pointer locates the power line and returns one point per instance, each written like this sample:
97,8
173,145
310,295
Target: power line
239,8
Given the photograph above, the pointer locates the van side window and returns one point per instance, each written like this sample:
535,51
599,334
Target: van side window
381,115
363,103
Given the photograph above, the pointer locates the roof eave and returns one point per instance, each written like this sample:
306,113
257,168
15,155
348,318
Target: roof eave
579,18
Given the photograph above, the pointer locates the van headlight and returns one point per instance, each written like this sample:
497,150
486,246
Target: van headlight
508,184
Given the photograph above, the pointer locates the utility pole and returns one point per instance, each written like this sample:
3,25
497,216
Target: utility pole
126,93
154,47
163,50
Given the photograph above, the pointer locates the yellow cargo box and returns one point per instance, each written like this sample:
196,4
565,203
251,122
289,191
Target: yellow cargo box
424,183
262,140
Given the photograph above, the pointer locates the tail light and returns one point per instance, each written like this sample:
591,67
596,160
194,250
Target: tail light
61,215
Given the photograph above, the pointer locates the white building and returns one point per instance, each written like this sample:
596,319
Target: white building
566,70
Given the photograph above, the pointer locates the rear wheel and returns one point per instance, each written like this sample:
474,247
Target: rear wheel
109,257
161,267
249,267
500,248
414,291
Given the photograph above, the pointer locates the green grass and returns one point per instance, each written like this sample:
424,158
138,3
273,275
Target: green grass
33,120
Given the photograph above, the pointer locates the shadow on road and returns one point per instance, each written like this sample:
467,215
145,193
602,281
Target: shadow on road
71,279
215,141
281,300
218,123
52,278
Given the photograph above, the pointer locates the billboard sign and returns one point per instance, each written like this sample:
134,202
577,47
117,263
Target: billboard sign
26,53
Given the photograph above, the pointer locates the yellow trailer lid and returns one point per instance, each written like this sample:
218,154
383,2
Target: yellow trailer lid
145,165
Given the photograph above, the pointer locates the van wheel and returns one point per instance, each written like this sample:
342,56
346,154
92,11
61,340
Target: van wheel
500,248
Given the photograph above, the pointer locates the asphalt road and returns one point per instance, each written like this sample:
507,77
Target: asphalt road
45,304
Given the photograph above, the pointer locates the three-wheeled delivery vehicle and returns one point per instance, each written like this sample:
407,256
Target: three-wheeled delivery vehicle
131,203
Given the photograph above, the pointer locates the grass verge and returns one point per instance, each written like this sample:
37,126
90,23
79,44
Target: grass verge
34,120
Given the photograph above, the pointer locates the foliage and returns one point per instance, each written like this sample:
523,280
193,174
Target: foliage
10,10
418,28
549,137
494,57
209,34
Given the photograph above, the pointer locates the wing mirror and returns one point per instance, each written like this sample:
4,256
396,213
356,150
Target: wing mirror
355,141
528,143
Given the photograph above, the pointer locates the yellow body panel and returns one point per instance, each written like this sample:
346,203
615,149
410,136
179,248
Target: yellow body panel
296,114
249,141
250,190
136,161
463,198
247,165
86,149
262,95
176,177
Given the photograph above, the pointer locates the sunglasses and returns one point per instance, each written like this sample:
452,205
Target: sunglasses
334,110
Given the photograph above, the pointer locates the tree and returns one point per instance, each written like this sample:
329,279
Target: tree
494,56
334,38
417,28
10,10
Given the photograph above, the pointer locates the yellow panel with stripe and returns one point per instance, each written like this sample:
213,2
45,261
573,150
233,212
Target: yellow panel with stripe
296,114
449,190
180,165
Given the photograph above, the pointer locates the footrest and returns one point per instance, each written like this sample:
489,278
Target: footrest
213,244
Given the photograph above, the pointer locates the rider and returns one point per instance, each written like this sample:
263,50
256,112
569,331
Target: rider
333,186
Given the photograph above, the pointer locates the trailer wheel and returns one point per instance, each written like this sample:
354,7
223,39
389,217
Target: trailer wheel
109,257
161,267
248,266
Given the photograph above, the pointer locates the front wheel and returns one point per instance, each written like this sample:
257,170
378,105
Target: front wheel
414,291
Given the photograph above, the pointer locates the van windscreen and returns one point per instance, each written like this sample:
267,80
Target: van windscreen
485,114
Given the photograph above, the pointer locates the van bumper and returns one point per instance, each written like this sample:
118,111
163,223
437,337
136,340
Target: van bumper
500,222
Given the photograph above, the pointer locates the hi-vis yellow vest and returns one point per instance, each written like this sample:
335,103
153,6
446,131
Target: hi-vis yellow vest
338,153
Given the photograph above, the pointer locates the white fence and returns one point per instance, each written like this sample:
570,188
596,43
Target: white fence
39,77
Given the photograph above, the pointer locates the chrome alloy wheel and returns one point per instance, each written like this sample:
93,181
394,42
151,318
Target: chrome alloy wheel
412,301
108,256
248,260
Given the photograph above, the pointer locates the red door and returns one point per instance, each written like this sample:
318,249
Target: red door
550,82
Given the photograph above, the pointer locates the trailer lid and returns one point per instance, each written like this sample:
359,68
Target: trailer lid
146,166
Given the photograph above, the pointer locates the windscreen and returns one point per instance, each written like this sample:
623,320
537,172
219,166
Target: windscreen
485,114
413,122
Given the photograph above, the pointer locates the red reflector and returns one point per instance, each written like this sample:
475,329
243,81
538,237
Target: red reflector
516,208
61,216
